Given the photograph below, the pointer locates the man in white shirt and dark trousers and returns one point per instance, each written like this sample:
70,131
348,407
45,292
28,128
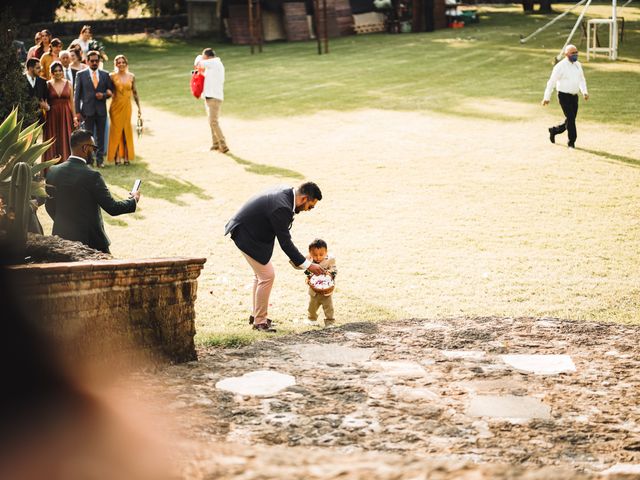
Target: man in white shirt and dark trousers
568,79
213,94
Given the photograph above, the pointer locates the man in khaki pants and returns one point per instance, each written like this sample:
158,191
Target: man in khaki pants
213,95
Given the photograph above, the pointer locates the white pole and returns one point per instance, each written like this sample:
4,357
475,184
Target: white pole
575,27
614,32
524,40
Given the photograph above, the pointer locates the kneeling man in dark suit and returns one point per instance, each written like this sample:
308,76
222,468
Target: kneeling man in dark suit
77,193
254,229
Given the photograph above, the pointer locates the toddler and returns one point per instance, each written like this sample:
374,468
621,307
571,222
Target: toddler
318,253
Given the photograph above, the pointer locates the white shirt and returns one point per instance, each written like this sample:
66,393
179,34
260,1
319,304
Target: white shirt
213,77
32,80
78,158
67,74
566,77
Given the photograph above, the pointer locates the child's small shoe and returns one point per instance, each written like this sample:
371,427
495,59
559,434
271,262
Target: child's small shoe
329,323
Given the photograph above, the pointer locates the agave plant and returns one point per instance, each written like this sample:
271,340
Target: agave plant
20,145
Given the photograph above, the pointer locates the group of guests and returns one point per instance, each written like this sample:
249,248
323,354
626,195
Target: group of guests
72,91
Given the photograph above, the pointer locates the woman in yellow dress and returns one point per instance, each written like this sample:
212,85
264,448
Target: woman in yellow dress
120,132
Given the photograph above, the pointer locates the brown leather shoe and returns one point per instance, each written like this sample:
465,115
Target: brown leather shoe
264,327
224,149
251,320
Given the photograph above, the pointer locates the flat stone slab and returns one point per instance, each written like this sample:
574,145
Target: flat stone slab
399,368
540,364
622,469
464,354
328,353
508,406
259,383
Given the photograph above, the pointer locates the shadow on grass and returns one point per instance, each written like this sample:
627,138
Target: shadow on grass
154,185
261,169
612,156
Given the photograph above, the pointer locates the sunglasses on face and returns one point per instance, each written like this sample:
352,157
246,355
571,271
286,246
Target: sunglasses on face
57,71
94,61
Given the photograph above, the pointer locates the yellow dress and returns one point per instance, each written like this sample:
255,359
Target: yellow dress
45,62
120,131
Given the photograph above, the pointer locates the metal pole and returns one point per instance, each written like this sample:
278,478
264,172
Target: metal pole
575,27
544,27
316,17
613,42
250,7
259,25
326,26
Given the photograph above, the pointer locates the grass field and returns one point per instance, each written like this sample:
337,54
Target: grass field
443,195
440,71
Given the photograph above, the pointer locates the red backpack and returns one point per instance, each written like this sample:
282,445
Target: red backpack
197,83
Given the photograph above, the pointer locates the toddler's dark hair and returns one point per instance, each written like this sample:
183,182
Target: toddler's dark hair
318,243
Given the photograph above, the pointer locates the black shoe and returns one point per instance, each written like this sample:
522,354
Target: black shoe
571,145
552,135
264,327
251,320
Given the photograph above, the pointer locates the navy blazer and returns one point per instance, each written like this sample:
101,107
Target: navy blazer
85,94
264,217
77,193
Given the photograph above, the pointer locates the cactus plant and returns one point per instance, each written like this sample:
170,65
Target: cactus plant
19,204
20,178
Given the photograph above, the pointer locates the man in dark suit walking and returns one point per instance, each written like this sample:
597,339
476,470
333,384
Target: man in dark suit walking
37,87
93,87
77,193
254,229
67,72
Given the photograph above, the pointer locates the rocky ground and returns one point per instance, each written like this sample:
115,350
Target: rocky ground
415,399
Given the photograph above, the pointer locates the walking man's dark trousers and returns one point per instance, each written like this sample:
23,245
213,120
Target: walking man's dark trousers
569,105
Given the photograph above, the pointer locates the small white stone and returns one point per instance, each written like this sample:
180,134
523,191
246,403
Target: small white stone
400,369
330,353
467,354
258,383
540,364
409,395
510,407
623,468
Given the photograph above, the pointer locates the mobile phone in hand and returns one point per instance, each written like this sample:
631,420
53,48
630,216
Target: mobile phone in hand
136,185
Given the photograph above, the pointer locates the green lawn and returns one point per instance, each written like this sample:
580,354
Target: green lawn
428,71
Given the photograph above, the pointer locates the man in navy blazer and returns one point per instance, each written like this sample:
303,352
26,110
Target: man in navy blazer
93,87
254,229
77,194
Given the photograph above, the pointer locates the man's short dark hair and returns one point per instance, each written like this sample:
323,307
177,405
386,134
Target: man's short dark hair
80,137
311,190
318,243
208,52
31,63
93,53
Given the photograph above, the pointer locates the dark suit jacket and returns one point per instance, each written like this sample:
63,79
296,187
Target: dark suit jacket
263,218
85,93
39,91
77,194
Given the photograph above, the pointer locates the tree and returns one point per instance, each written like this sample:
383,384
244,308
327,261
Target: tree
13,91
37,11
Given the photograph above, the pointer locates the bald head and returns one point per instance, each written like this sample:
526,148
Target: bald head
571,52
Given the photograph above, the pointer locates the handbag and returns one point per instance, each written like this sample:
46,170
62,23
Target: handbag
197,83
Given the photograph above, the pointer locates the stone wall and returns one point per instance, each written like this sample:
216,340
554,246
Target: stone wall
114,308
101,28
